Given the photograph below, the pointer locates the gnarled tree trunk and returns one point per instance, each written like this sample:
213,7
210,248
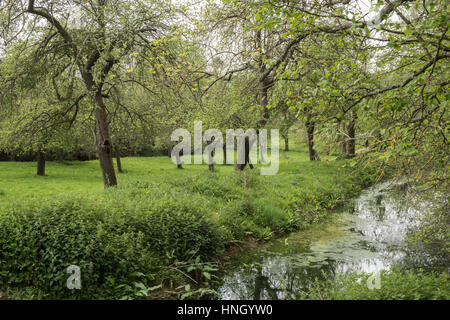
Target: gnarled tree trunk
211,161
286,142
103,144
177,152
40,163
211,154
179,164
310,126
118,162
240,167
224,153
264,113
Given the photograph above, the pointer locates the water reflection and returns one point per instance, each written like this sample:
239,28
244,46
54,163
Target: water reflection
371,239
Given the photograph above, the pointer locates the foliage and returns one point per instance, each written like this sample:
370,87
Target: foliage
395,284
371,86
112,243
151,231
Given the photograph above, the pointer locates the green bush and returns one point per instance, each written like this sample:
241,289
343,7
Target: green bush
112,243
395,284
237,218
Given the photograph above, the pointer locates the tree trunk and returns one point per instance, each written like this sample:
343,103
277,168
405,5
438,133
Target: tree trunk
179,164
263,103
313,155
169,151
265,82
103,143
286,142
240,167
224,154
177,151
118,162
351,137
211,156
211,161
40,163
264,113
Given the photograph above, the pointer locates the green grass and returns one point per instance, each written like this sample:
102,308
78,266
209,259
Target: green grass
160,227
18,180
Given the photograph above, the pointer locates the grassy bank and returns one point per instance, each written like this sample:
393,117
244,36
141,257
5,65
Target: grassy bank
161,228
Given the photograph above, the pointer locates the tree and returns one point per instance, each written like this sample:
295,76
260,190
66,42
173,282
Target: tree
35,117
97,37
263,50
284,113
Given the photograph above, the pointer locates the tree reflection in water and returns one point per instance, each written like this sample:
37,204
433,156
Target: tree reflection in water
374,239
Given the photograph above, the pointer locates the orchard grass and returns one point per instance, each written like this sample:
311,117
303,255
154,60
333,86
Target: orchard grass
18,181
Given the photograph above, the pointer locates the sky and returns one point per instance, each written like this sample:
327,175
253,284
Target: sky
194,11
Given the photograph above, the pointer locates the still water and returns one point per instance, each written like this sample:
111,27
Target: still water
369,236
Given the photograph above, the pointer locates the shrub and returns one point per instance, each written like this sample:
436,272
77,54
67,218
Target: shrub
112,243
